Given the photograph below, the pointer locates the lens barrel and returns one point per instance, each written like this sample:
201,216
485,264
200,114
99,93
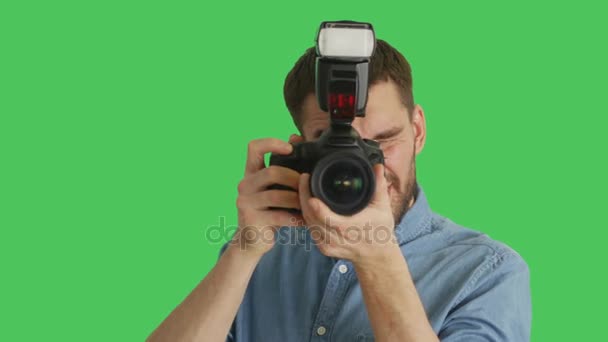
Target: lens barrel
344,181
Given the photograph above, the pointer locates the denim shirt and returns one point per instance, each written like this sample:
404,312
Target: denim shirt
473,288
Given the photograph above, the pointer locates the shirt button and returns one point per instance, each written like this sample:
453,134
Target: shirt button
321,330
342,268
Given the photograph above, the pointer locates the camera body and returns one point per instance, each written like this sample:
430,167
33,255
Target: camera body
341,167
340,161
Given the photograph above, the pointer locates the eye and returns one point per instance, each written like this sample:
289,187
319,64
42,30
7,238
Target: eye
384,140
383,143
389,134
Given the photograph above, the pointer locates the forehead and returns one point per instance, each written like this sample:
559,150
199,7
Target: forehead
383,107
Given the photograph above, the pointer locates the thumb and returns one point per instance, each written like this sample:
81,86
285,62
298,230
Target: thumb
381,192
294,138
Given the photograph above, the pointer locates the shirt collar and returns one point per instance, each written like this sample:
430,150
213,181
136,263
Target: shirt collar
416,221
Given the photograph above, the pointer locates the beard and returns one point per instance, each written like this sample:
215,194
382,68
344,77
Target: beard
403,195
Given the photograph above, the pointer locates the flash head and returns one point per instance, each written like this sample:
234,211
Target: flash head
345,39
344,50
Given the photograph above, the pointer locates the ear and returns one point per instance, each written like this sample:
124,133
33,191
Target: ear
419,128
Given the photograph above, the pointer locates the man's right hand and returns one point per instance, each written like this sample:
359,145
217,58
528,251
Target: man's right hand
257,222
206,314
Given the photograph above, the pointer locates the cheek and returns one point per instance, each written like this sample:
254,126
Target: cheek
398,160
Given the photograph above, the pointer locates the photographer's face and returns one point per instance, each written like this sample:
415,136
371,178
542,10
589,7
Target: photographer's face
386,121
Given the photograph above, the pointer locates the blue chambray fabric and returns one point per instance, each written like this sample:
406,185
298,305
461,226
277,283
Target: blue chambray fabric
473,288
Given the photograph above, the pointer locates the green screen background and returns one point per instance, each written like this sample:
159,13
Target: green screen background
123,132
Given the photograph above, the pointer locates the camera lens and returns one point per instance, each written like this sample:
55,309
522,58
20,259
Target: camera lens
344,181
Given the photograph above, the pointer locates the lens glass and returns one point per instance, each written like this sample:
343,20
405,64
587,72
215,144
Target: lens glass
343,182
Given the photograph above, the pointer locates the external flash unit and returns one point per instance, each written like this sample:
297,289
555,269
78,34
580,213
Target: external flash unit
340,161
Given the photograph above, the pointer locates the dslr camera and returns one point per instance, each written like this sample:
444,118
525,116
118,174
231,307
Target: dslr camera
340,161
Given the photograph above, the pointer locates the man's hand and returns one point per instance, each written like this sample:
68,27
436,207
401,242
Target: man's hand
208,311
362,238
367,239
257,223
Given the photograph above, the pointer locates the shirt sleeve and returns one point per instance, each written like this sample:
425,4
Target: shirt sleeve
497,306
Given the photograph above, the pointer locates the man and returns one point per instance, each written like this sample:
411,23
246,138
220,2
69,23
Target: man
395,271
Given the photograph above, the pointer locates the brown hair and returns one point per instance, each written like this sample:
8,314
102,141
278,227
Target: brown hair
385,63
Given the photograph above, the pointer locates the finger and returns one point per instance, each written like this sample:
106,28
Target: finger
270,199
322,213
381,193
294,138
277,175
318,232
259,147
271,175
279,199
304,194
324,223
282,218
313,209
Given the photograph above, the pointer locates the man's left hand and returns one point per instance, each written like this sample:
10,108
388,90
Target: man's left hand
362,238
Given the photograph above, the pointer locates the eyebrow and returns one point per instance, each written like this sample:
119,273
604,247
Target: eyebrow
389,133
